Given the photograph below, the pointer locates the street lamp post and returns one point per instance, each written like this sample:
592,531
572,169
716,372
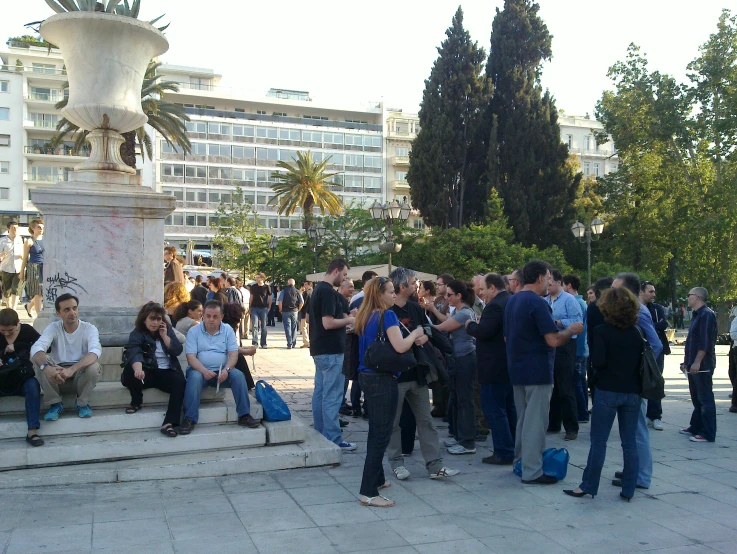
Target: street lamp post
389,213
273,243
316,232
595,228
245,249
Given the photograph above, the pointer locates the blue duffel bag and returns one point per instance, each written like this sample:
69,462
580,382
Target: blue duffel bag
275,409
555,463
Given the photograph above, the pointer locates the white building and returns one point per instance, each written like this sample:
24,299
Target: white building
577,133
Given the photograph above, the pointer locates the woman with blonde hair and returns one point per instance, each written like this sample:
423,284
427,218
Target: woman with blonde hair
174,295
32,265
379,389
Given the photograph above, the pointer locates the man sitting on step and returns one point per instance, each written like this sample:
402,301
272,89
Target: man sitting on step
75,350
212,351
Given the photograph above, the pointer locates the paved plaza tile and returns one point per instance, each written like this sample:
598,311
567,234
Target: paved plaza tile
691,507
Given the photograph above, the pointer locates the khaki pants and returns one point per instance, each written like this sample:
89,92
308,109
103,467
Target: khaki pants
533,405
304,329
83,383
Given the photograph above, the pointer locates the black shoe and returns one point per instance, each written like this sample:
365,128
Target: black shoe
733,409
496,461
356,413
436,412
553,430
542,480
581,494
623,497
248,421
343,423
346,410
365,416
483,431
186,427
480,438
618,474
618,483
570,436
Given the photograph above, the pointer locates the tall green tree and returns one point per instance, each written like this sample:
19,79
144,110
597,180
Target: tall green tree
443,168
527,162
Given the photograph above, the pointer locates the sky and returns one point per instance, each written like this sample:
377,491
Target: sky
352,52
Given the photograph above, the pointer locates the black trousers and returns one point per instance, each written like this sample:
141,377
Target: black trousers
563,402
408,428
733,373
166,380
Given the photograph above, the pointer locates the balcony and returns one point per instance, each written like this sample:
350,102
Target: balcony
38,178
401,134
400,160
48,152
601,152
400,184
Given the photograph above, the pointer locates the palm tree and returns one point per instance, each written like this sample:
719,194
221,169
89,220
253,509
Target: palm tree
306,185
164,116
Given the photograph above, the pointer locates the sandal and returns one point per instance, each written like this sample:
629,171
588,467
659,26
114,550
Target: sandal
168,430
386,485
132,409
370,501
34,440
28,311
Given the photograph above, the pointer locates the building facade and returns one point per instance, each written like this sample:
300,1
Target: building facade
596,159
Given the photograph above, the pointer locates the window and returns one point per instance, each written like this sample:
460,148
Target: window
418,224
4,140
587,142
4,114
217,196
246,176
288,155
218,150
354,140
46,120
404,152
372,184
196,195
318,117
613,167
4,86
196,127
372,142
354,160
4,193
400,175
289,134
176,192
587,168
243,131
198,83
596,169
4,168
335,158
177,218
353,183
264,176
44,68
283,223
333,138
280,114
218,128
197,171
167,148
220,173
199,148
267,132
569,141
372,161
311,136
267,154
249,197
261,112
172,170
244,152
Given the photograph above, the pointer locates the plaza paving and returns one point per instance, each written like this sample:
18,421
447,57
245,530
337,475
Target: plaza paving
691,507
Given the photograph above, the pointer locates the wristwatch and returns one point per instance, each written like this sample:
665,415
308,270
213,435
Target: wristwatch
226,369
42,367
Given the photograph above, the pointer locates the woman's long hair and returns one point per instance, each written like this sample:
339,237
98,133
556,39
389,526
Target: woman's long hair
175,294
619,307
185,307
150,308
372,302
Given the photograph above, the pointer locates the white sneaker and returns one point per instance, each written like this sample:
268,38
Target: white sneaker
444,472
460,449
402,473
657,425
450,442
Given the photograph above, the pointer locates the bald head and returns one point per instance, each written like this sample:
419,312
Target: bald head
346,288
291,282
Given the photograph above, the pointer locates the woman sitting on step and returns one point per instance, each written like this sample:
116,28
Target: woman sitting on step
150,361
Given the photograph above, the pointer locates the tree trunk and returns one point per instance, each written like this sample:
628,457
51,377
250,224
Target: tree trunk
128,149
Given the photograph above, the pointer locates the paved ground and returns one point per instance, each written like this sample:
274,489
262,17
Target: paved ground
690,509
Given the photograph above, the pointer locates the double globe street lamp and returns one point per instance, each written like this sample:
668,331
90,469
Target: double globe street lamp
315,233
389,213
579,230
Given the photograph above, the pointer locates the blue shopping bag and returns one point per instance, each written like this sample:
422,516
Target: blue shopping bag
555,463
275,409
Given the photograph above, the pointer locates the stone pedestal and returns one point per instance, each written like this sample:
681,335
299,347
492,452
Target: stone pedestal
104,243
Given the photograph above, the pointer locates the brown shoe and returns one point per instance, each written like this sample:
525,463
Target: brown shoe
248,421
570,436
186,427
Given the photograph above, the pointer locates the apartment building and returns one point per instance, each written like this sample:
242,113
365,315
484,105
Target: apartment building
401,130
596,159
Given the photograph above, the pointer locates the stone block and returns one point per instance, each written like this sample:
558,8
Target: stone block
285,432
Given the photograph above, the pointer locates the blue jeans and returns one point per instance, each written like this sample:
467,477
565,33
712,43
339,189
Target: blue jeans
644,455
462,420
196,382
31,391
328,395
607,405
258,321
581,387
381,389
497,403
704,416
289,320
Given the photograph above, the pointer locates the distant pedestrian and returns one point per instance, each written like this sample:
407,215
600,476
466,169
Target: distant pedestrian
290,302
33,263
173,272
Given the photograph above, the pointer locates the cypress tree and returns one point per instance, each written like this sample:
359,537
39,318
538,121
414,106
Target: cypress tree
443,171
529,168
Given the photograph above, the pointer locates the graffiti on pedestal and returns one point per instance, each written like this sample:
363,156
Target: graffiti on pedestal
56,285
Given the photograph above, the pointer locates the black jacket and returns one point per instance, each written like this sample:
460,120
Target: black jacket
491,350
660,322
138,342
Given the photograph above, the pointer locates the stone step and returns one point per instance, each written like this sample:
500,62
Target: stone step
314,451
98,447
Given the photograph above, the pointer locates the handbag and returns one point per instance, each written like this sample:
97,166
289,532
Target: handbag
555,463
275,409
381,357
651,380
15,371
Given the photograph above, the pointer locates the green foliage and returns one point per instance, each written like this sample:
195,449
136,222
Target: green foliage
350,234
445,156
526,161
235,226
31,41
111,7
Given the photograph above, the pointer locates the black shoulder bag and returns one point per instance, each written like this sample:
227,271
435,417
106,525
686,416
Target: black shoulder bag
17,368
651,380
381,357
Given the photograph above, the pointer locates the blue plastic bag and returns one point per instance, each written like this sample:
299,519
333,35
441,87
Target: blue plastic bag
275,409
555,463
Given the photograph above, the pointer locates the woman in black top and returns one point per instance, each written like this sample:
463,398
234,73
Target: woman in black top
16,339
616,360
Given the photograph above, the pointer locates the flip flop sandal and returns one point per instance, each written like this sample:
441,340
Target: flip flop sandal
34,440
169,431
369,501
132,409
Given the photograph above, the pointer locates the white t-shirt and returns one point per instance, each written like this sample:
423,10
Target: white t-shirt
12,250
68,348
246,296
162,358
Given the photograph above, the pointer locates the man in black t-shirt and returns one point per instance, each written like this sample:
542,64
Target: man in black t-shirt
327,346
260,305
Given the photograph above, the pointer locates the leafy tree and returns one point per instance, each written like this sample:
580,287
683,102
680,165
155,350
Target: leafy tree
350,234
306,185
527,162
235,224
166,117
445,155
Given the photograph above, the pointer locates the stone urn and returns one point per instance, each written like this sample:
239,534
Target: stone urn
106,57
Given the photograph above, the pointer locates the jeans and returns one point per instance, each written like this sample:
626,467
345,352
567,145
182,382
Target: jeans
563,401
497,401
626,407
289,320
258,321
167,380
463,419
196,382
381,389
31,391
655,407
581,387
328,395
356,398
644,455
704,416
